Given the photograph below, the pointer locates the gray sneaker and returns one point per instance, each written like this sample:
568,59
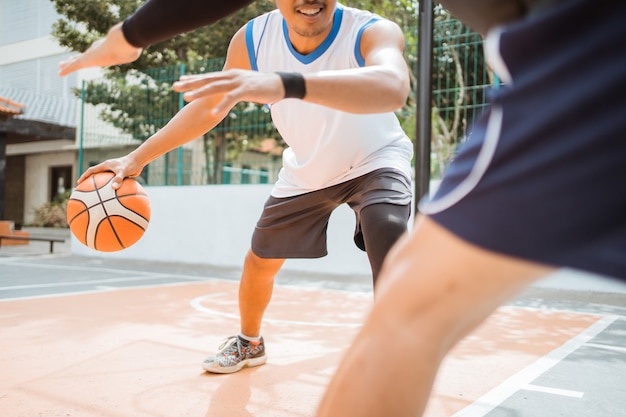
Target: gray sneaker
236,353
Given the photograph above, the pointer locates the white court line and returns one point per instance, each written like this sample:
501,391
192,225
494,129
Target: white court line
85,282
196,303
10,258
146,277
555,391
99,269
499,394
79,268
94,291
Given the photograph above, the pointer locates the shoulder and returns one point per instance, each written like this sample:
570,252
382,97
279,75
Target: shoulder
367,22
382,31
271,17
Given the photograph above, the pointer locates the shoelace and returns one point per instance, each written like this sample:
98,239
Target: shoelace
230,344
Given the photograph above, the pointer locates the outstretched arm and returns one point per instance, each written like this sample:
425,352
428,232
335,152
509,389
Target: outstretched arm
382,85
160,20
113,49
155,21
191,122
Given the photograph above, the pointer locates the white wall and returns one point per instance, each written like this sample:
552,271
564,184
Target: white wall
30,49
212,225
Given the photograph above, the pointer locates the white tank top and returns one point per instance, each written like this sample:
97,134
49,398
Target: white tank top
326,146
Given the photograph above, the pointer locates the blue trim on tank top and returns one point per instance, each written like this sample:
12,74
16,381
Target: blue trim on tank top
357,46
252,53
250,46
308,58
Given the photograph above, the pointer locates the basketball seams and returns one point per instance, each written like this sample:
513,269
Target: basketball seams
143,226
110,219
97,190
101,200
118,198
127,213
107,217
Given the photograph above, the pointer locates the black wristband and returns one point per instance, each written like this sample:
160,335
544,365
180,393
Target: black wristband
293,83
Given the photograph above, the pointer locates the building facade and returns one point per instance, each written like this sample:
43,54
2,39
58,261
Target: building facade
38,154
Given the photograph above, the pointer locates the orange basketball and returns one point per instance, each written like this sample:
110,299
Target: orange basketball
105,219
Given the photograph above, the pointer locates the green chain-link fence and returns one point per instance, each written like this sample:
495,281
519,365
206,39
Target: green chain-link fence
118,114
459,83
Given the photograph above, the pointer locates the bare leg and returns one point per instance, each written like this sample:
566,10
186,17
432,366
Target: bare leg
433,290
255,291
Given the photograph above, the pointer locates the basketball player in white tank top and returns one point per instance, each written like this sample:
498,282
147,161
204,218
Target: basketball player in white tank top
333,77
326,146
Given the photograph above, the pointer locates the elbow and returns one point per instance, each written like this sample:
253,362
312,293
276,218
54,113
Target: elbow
399,87
399,94
401,97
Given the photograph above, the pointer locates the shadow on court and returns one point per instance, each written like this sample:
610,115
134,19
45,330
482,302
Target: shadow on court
92,337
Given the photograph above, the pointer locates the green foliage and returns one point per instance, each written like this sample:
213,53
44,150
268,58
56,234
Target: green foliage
459,81
83,22
137,103
140,100
403,12
53,214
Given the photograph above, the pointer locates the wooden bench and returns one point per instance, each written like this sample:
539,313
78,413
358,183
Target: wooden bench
52,240
7,228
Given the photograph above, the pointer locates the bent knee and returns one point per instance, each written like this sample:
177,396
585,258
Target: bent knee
253,260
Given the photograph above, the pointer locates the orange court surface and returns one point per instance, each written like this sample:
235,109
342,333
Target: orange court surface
84,337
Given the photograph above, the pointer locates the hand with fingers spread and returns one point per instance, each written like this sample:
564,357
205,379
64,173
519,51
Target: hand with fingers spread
236,85
113,49
122,167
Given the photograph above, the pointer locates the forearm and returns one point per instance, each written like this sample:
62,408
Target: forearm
159,20
193,121
374,89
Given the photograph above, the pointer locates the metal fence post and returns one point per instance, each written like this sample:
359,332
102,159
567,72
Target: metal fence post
181,104
424,96
82,129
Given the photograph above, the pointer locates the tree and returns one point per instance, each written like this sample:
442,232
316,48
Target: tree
140,100
84,22
138,96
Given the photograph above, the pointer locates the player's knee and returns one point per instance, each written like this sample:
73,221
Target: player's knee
384,224
254,262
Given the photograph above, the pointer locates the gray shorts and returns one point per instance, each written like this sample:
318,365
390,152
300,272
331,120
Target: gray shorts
295,227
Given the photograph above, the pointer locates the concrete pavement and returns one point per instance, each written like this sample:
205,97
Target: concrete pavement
99,337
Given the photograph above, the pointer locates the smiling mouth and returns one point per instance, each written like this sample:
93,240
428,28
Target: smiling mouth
310,11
